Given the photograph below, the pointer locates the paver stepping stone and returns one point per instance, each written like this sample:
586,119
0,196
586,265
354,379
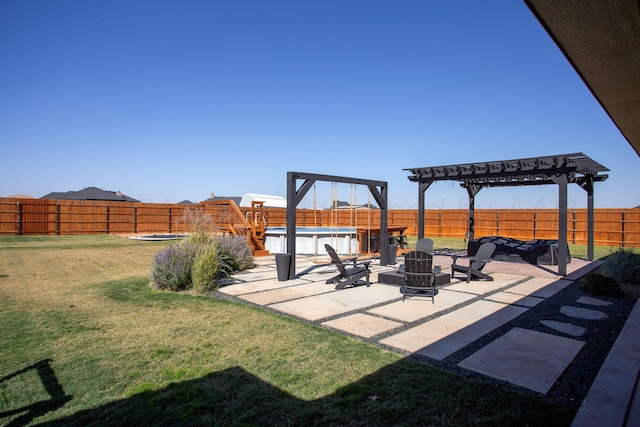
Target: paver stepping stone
257,286
583,313
363,325
593,301
256,276
259,268
540,287
285,294
520,357
317,307
516,299
443,336
417,307
565,328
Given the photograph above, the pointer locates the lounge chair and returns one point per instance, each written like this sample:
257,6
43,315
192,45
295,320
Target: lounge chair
349,276
424,245
419,278
476,263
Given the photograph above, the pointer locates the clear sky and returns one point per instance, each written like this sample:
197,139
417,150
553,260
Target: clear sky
174,100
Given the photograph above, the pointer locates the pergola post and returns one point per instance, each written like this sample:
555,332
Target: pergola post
472,190
561,180
587,185
422,188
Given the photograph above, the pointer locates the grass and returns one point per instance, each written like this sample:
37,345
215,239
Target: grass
84,340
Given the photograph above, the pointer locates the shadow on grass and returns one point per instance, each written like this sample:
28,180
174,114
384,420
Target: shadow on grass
57,396
404,393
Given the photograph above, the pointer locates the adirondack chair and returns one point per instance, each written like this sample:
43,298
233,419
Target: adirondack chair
476,263
424,245
419,277
349,276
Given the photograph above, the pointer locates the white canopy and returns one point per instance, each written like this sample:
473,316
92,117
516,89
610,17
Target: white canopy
269,201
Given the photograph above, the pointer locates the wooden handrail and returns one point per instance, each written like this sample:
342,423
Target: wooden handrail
236,223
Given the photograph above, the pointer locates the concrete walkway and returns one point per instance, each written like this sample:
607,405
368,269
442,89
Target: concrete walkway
461,314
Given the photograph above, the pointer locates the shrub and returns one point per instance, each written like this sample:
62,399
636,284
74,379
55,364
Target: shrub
235,251
199,224
206,268
599,284
171,267
197,262
621,265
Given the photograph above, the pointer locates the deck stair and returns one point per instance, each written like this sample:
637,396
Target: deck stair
250,225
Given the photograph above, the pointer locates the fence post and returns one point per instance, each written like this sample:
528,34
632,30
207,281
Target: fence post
497,222
135,219
622,229
573,227
535,223
169,220
107,218
19,219
57,218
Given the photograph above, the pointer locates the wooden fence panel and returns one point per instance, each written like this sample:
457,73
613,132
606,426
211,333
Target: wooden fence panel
485,223
451,223
153,218
630,228
8,216
608,227
578,223
121,218
631,223
546,224
36,217
82,217
612,227
516,223
432,224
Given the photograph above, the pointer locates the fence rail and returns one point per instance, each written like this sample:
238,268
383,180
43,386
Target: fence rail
612,227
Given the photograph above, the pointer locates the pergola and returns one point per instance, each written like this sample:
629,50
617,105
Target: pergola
295,195
561,169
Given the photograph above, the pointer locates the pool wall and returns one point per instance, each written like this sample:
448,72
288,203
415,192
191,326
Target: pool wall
311,240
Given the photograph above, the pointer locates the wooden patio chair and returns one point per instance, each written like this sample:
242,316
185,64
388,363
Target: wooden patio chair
419,277
476,263
349,276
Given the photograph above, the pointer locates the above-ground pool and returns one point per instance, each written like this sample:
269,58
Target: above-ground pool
311,240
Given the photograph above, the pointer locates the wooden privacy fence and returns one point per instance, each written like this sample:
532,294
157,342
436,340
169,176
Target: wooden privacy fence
612,227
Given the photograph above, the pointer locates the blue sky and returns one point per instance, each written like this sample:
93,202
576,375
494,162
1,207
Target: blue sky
174,100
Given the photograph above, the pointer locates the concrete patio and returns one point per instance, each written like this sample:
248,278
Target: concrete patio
461,314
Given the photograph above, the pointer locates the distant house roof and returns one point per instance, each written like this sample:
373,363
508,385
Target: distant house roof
236,200
339,204
186,202
90,193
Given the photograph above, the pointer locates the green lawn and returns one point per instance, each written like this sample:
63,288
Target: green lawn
85,341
